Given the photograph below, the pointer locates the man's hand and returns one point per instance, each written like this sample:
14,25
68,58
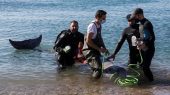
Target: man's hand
142,46
112,57
106,53
102,50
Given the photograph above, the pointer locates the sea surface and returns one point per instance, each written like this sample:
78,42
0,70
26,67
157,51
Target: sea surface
35,70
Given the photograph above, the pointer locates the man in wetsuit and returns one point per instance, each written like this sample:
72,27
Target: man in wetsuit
131,33
148,39
94,45
67,45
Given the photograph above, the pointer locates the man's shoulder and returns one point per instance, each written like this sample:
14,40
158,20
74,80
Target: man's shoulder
147,21
64,31
80,33
92,24
127,29
92,28
62,34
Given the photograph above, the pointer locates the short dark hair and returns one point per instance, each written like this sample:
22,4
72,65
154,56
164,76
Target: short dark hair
138,11
128,17
100,13
74,21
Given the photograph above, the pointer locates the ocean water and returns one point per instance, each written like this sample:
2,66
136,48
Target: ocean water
24,19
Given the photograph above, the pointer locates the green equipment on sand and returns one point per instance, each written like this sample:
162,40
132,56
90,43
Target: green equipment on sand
128,79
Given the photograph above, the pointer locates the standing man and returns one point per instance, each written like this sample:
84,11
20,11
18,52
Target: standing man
148,38
67,44
94,45
131,33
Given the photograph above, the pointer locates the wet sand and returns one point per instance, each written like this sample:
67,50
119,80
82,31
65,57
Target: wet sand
83,85
56,88
77,81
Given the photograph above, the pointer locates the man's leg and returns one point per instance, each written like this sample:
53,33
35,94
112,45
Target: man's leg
65,60
97,67
61,61
147,58
93,59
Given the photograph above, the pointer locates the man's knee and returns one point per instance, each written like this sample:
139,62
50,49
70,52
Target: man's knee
97,73
96,63
65,60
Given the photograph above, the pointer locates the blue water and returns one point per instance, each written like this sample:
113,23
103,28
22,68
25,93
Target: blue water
24,19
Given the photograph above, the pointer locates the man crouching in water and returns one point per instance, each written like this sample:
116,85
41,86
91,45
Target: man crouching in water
94,45
67,45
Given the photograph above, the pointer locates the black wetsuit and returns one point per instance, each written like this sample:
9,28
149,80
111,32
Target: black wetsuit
67,38
128,34
148,54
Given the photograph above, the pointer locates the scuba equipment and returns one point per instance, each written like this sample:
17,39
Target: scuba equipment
134,41
61,54
120,75
60,40
130,79
122,78
67,49
144,35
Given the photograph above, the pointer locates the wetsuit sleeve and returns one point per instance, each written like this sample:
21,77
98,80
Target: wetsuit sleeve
59,35
149,28
60,38
120,42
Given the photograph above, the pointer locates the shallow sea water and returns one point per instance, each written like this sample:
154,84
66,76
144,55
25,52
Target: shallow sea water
33,72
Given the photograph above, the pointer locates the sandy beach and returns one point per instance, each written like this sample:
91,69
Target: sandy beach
82,85
33,72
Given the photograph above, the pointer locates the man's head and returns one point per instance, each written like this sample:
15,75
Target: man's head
100,16
130,20
74,26
138,14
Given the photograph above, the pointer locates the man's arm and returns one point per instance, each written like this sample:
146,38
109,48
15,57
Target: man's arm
60,38
91,44
81,40
119,45
151,36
